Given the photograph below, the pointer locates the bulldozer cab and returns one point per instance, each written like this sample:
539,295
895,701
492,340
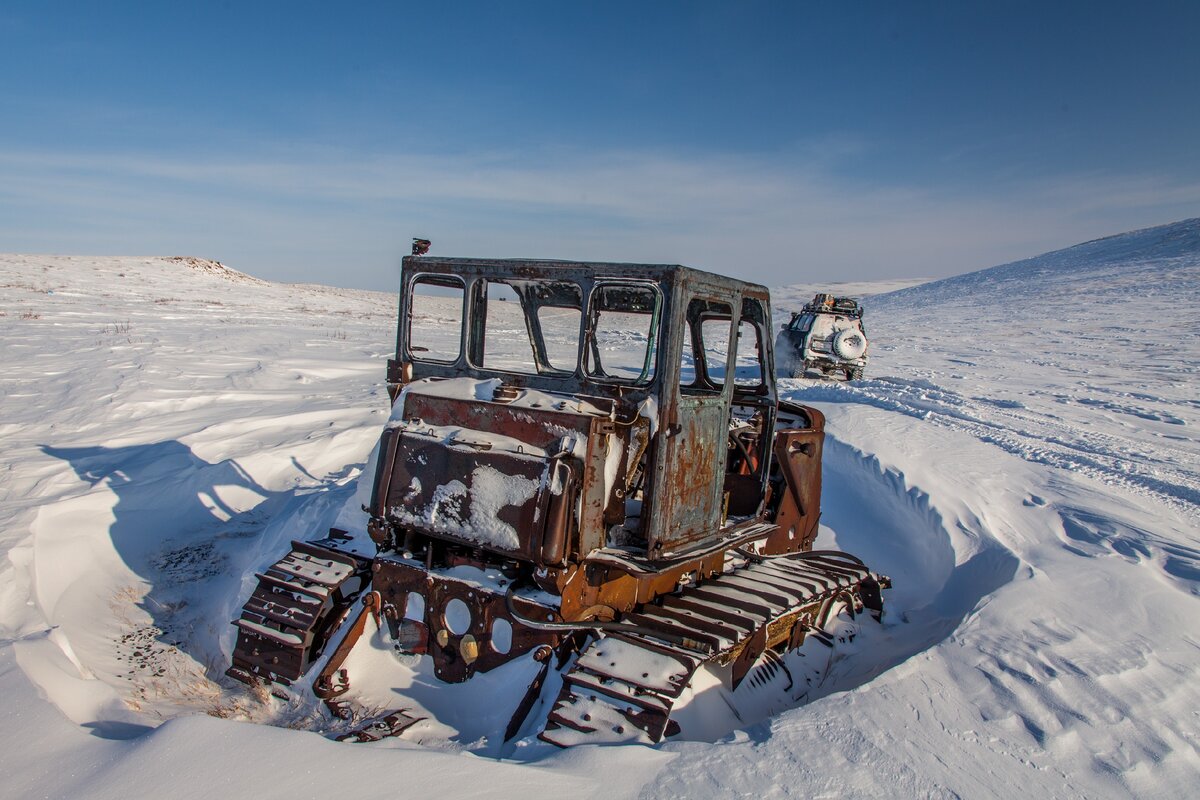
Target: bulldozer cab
653,385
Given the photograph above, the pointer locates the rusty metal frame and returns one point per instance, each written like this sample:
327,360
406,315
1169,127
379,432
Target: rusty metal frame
458,655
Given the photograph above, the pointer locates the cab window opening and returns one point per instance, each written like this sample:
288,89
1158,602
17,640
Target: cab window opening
706,346
528,327
622,337
435,318
750,365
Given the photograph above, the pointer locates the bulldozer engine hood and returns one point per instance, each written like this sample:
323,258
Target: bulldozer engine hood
503,474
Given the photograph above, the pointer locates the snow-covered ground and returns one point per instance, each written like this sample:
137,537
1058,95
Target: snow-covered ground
1023,460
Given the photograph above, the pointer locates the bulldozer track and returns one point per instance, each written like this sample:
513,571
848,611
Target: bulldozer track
624,684
298,601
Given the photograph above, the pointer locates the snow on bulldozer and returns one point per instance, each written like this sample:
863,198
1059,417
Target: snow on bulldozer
589,501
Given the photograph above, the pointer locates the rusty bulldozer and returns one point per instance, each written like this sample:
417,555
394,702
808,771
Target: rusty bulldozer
587,468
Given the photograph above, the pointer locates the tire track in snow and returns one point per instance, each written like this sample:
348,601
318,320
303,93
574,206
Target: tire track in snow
1033,436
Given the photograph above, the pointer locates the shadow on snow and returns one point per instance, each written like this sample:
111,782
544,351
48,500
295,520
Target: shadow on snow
192,530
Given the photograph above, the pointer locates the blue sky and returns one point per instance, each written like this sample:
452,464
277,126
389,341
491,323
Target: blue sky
780,142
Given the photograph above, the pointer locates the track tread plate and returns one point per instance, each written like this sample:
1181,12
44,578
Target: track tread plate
312,571
744,619
624,660
619,690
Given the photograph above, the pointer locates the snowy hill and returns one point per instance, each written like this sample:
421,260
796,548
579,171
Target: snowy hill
1023,460
1154,262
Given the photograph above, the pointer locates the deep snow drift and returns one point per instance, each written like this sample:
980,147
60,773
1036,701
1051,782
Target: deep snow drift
1022,460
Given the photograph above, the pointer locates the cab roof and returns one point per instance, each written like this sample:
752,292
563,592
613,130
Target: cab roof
669,275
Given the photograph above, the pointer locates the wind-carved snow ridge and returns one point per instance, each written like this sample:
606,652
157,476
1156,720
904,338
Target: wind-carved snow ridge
943,567
169,424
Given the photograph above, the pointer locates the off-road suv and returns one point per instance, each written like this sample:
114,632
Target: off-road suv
826,338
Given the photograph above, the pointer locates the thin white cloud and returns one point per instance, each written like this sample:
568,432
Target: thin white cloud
792,219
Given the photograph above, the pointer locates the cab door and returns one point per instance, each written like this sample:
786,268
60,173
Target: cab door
689,486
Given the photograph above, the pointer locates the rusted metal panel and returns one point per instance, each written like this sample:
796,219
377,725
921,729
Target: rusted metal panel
464,646
798,457
690,488
494,500
595,587
571,535
693,439
540,427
